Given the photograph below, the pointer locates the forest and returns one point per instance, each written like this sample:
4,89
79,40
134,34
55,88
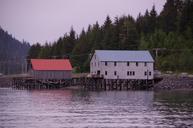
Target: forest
13,53
170,33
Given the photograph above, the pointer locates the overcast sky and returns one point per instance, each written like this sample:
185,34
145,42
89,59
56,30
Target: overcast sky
47,20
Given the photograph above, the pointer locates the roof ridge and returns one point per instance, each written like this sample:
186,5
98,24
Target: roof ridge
124,55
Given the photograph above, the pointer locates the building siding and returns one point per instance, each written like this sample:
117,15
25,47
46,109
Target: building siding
51,74
121,69
95,64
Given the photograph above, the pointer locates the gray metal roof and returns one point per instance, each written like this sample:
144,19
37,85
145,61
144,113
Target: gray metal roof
124,55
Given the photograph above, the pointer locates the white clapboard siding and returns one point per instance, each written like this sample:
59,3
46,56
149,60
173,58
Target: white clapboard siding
140,65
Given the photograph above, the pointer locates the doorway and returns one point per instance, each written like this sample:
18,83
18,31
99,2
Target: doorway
98,72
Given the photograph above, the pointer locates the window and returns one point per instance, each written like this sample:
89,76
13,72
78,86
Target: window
115,63
127,63
115,73
98,63
105,72
145,64
105,63
137,64
130,73
145,73
150,73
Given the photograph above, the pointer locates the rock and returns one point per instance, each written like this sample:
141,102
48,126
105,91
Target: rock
191,76
184,74
174,82
1,74
169,72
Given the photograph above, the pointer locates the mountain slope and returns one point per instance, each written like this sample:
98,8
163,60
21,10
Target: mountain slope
12,53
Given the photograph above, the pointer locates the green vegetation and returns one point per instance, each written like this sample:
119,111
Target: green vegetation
171,31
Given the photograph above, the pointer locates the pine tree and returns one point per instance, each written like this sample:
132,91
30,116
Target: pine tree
70,42
153,19
129,37
168,17
80,52
34,51
107,29
171,30
186,18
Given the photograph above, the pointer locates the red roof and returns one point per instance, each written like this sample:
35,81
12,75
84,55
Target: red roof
51,64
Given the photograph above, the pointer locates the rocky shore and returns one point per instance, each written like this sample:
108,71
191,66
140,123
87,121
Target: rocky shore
168,82
174,82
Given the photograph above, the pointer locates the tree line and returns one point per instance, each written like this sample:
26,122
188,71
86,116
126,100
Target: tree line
171,31
12,53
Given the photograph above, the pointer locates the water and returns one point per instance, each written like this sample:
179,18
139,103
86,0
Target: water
110,109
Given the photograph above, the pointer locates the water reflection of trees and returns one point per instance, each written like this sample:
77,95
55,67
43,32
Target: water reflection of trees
81,96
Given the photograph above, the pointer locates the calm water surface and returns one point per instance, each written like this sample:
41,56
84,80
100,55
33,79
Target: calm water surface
79,109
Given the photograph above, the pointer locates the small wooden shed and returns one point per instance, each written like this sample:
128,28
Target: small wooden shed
51,69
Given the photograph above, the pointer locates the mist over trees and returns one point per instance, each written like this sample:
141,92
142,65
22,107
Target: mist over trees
12,53
171,31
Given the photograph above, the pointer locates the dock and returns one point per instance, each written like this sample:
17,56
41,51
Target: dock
86,83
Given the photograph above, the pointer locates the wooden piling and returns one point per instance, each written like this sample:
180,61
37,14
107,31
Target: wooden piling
93,84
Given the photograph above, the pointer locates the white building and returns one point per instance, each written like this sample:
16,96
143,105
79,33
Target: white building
122,64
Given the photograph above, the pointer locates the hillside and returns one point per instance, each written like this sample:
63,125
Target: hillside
171,31
12,53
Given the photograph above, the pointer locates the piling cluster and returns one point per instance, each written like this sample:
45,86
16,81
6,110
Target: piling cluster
29,83
115,84
84,83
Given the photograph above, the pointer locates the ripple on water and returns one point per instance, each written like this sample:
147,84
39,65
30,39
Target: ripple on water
78,109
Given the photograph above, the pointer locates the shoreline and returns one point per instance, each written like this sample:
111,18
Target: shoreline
174,82
168,82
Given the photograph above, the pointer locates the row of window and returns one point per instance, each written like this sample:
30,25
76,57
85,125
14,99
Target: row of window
145,73
128,63
115,64
129,73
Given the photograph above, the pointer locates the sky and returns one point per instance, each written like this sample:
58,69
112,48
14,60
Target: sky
47,20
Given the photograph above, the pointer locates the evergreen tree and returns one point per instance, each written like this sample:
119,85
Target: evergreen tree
171,30
168,17
107,42
34,51
186,18
153,19
45,51
71,42
80,52
97,37
129,37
